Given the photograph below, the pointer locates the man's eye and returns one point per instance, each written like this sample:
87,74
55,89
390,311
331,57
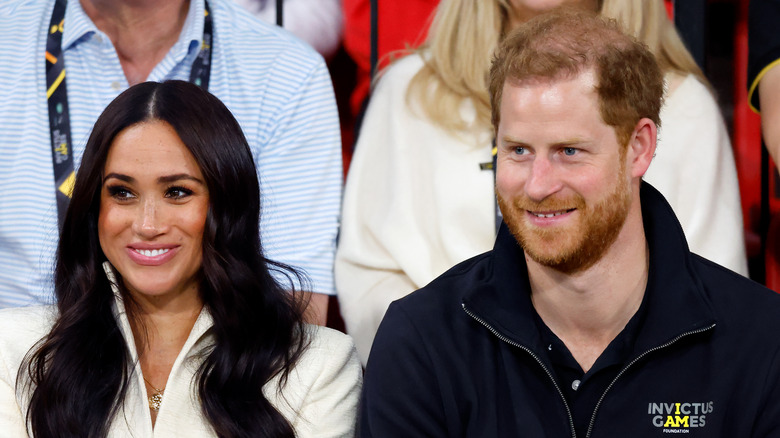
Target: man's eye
520,150
569,151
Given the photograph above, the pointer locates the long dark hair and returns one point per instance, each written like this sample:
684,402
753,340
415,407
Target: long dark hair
80,370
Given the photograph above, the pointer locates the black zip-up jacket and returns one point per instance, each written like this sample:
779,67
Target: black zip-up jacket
462,356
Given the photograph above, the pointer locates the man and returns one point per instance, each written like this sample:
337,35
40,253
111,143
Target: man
590,317
277,87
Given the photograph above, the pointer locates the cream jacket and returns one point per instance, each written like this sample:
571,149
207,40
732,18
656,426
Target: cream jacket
416,201
320,398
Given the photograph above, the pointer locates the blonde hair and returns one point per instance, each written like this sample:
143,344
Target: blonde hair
465,33
647,21
457,55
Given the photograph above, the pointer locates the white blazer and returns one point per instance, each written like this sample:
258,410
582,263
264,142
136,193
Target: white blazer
319,399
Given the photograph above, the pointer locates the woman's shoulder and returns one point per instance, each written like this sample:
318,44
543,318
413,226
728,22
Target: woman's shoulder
408,65
328,360
321,394
327,346
687,89
400,72
690,101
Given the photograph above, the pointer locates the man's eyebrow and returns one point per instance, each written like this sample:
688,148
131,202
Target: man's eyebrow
513,141
571,141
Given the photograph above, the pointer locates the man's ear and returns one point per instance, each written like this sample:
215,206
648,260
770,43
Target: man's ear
641,147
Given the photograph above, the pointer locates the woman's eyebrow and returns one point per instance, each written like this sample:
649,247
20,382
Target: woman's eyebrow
178,176
119,176
162,179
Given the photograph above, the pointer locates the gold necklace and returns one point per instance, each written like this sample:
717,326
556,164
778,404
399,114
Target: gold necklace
156,398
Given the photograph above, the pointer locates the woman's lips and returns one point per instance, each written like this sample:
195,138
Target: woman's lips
152,256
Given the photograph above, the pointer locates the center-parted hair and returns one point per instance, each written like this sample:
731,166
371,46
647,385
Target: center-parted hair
81,370
563,43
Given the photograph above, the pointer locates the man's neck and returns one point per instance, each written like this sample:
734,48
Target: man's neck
142,31
587,310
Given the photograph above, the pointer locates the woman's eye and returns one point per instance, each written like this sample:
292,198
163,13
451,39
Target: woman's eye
569,151
177,192
120,192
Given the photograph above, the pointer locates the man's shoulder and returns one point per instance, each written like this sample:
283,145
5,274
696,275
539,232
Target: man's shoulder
737,300
22,24
267,63
255,39
446,292
22,18
13,9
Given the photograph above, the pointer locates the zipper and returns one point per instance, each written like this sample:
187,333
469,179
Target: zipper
533,355
565,404
596,409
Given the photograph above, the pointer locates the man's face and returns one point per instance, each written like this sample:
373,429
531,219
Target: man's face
561,181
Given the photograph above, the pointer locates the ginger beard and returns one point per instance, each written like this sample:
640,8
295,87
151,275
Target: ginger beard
576,247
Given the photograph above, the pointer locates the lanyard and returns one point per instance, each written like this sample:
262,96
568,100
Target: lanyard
492,165
57,99
499,216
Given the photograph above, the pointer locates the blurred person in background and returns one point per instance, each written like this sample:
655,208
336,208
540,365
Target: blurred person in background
763,76
401,25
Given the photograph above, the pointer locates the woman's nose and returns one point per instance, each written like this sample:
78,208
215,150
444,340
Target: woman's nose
148,223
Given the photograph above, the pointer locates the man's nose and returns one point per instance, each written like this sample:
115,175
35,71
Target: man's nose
543,180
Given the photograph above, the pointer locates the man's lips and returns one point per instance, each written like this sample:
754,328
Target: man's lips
549,214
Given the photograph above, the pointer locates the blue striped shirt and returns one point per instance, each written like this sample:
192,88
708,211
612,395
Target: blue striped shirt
277,87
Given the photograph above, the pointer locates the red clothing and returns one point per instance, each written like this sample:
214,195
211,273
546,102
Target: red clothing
401,24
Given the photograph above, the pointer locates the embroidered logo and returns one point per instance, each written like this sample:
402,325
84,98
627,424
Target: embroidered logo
679,417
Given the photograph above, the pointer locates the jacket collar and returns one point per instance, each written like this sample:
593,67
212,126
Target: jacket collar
675,300
78,26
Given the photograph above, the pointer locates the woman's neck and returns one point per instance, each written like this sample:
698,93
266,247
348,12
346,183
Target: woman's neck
142,31
160,333
164,322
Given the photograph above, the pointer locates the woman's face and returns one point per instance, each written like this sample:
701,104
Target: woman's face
524,10
153,207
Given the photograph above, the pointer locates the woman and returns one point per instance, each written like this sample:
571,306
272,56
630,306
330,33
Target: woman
419,194
168,319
